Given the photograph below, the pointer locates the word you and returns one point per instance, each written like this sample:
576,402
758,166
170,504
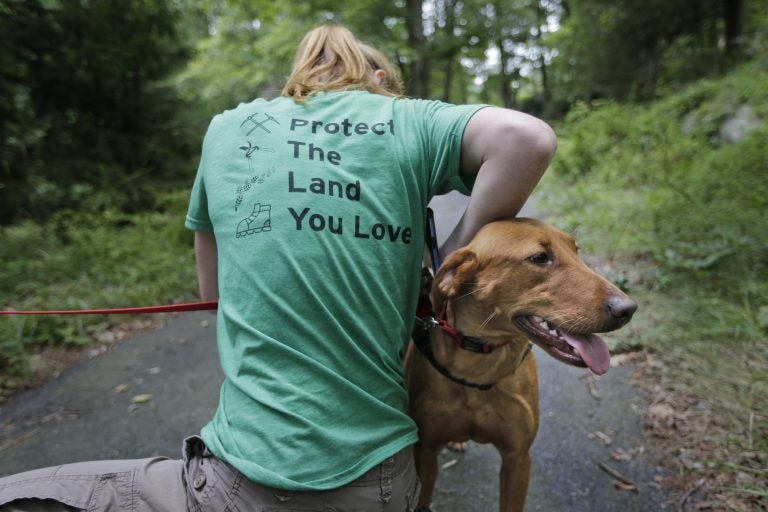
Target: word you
378,231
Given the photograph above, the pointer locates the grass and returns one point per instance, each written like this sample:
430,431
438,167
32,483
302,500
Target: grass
676,211
82,260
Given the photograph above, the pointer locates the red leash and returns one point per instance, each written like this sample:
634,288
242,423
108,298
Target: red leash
169,308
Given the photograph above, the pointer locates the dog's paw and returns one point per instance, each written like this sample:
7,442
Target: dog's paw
456,446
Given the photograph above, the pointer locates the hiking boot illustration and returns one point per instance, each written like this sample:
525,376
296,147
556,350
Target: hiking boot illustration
259,220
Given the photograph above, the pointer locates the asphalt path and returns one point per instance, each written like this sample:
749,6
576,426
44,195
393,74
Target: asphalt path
144,395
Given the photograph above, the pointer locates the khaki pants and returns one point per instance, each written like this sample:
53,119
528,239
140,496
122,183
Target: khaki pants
199,482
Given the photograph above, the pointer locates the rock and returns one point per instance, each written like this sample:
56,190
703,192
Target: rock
736,127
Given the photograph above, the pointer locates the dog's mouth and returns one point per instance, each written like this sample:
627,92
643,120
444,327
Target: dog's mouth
584,350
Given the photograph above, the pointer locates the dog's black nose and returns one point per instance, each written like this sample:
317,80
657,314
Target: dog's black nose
621,307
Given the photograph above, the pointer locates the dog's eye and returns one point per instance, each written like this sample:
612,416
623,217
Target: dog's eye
541,258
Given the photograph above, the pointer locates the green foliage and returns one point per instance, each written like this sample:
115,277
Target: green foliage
84,104
676,201
627,49
83,260
664,182
251,45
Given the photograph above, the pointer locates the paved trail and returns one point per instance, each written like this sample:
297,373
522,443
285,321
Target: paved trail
80,416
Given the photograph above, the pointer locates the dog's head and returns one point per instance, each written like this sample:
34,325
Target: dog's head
529,276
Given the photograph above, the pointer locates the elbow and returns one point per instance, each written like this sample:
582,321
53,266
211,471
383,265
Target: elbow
546,141
538,140
527,146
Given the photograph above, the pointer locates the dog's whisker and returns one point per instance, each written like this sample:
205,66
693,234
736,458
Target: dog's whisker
561,319
576,323
468,294
564,318
473,291
485,322
568,321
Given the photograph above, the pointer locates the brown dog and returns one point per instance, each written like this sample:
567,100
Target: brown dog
473,377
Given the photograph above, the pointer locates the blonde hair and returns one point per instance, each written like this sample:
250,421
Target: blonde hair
330,58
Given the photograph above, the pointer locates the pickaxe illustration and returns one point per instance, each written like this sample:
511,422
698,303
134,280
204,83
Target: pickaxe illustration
259,124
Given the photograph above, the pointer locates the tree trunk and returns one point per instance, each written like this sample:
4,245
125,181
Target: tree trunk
462,76
505,88
450,55
419,69
734,23
507,99
541,19
448,79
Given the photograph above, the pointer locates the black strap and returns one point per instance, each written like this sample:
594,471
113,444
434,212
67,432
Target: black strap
434,254
422,342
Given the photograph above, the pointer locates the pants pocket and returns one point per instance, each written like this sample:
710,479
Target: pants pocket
413,495
37,505
75,485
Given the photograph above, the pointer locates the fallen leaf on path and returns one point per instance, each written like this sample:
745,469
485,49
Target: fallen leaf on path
620,360
621,480
625,487
450,463
663,415
97,351
605,438
141,399
592,388
121,388
621,454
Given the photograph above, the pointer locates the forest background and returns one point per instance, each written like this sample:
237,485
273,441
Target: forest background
660,107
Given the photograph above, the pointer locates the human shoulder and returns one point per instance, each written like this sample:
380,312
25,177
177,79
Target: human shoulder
232,118
241,108
430,108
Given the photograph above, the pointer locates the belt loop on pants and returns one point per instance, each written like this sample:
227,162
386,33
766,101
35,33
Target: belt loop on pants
386,469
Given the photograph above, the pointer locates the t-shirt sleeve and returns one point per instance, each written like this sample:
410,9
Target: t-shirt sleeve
445,124
197,218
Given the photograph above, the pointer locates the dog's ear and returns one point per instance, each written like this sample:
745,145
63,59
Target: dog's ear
457,269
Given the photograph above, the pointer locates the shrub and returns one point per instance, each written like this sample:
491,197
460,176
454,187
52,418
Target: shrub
85,260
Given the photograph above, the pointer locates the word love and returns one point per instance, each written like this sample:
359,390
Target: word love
378,231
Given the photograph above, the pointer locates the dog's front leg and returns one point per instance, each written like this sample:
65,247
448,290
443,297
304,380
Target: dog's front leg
513,482
425,458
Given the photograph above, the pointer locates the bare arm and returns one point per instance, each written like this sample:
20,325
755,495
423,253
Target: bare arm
509,151
207,264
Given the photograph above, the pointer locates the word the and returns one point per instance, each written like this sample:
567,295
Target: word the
333,156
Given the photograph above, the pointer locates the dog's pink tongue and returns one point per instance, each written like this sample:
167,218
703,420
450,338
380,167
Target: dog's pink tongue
592,349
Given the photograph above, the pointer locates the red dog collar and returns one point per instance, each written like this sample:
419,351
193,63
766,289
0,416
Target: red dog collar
465,342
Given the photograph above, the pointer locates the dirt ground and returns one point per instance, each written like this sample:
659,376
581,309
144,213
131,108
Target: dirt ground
712,463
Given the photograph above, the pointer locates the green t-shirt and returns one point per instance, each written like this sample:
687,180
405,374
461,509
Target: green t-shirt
318,211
